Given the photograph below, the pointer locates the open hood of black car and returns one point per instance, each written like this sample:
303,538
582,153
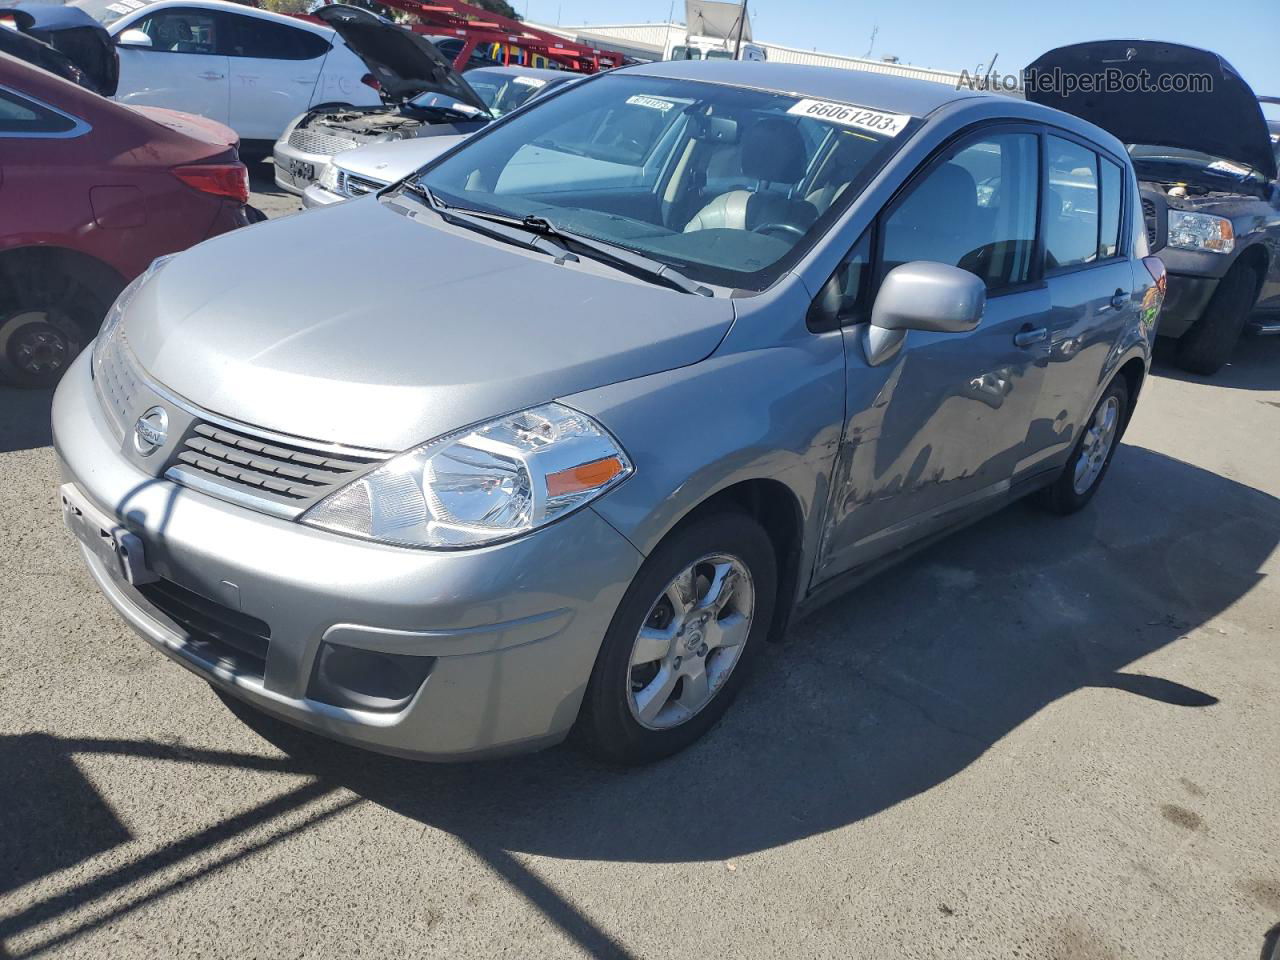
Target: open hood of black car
1224,121
405,63
66,41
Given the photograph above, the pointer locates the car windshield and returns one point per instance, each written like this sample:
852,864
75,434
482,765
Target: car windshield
433,100
502,90
728,185
107,12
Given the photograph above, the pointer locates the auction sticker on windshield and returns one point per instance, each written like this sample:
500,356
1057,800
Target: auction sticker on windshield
845,114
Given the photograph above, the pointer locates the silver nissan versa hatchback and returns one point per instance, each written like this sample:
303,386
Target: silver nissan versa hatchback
553,435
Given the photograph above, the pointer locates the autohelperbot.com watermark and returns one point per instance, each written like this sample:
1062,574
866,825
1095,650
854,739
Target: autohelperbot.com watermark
1066,83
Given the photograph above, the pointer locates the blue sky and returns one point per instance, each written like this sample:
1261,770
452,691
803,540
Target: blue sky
956,35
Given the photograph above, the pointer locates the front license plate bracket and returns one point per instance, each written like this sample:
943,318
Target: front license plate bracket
120,551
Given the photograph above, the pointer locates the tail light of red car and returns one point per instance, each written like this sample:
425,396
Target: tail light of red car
219,179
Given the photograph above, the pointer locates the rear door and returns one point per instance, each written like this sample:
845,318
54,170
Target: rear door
182,69
936,432
273,72
1091,285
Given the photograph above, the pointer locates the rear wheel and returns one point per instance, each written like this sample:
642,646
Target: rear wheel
682,640
1208,344
50,308
1084,472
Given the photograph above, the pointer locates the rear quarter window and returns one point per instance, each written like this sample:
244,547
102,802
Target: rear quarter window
22,117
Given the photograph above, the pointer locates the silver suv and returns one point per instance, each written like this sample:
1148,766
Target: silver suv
644,371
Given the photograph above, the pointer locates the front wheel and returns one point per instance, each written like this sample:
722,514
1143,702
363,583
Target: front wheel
1092,454
682,640
1208,345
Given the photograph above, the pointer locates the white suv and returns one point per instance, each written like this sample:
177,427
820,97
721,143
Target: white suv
250,69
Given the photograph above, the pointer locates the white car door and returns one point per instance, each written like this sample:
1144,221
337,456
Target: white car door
170,58
274,69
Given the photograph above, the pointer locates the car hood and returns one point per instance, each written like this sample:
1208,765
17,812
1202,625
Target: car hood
357,324
405,63
389,162
65,41
191,125
1225,121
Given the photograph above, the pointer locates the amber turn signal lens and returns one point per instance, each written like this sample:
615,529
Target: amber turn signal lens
586,476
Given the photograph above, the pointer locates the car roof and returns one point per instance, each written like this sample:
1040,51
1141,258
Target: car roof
883,91
244,10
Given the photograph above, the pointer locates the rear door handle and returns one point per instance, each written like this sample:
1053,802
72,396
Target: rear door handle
211,76
1029,337
1119,299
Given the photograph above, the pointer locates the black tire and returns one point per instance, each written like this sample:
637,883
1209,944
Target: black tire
1062,497
49,310
1208,344
606,725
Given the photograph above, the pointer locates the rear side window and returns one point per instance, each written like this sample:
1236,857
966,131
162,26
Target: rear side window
1071,206
1109,231
254,37
21,117
975,210
181,30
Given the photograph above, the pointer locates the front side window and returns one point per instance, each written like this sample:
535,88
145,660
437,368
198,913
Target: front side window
976,209
1071,206
726,184
181,30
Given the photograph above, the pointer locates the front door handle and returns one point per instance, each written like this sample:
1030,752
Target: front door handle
1029,336
211,76
1119,299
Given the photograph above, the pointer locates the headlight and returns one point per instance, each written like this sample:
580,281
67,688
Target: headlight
111,322
1200,231
487,483
328,178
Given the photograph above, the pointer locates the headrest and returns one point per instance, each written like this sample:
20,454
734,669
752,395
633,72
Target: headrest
773,150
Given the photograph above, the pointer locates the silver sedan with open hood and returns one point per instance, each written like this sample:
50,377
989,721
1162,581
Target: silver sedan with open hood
647,369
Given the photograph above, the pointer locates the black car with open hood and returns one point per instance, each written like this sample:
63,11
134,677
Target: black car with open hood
66,41
1206,161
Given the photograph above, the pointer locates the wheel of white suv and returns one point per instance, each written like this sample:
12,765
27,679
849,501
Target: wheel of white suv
682,640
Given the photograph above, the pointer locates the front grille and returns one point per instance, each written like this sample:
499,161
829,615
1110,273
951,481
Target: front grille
286,472
213,632
116,381
322,143
1149,215
349,185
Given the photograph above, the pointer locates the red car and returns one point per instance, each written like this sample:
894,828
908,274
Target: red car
91,192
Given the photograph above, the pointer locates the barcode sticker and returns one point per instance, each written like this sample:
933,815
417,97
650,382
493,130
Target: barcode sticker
848,115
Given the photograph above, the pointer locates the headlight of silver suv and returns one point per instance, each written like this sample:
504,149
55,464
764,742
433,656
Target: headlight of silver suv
487,483
328,178
111,322
1200,231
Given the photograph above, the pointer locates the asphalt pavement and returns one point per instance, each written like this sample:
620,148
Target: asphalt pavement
1043,738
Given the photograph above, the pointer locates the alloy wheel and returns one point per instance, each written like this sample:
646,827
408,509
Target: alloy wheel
1098,441
691,639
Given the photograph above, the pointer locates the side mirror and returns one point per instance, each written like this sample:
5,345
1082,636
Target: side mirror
133,38
922,296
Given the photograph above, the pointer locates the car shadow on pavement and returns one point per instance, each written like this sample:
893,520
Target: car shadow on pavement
896,688
24,419
1255,365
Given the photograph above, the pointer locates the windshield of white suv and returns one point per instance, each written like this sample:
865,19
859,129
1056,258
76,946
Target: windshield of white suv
107,12
727,185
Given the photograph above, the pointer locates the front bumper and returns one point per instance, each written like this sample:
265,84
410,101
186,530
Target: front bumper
1184,302
317,196
292,166
514,628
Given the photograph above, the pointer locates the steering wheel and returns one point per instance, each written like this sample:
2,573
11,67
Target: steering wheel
790,228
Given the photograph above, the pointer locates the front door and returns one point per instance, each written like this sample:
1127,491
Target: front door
182,69
935,433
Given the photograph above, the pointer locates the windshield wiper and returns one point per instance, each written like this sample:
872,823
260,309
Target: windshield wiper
623,258
476,220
